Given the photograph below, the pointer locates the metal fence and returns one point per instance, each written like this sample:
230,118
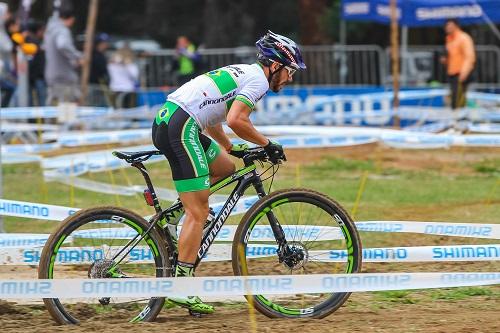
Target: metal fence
421,65
327,64
335,65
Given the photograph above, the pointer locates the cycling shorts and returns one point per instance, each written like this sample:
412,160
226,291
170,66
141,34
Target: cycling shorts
188,151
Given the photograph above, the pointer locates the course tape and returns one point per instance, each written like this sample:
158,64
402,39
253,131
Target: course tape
433,141
51,112
305,137
59,213
29,149
27,241
18,159
474,230
222,252
95,186
237,286
35,210
93,138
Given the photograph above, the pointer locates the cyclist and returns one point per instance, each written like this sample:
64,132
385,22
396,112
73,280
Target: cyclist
202,104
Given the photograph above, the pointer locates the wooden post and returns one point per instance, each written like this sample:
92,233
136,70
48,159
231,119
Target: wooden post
395,60
89,43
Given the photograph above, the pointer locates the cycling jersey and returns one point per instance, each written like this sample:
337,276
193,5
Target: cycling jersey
208,97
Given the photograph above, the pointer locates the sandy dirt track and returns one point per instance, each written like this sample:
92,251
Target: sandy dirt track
360,314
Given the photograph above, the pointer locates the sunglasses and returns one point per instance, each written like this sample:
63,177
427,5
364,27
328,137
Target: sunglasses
290,70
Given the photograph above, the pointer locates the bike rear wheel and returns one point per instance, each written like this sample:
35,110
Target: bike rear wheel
86,245
322,240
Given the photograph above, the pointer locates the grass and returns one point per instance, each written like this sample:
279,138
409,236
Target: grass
407,195
488,166
390,194
395,296
463,293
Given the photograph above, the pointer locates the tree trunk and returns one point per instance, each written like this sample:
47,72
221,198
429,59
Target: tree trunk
310,11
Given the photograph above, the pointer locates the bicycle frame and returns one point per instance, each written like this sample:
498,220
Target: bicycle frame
245,177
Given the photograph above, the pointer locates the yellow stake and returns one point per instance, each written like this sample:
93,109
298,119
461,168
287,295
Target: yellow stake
297,175
71,186
360,193
129,183
112,178
492,192
44,190
251,309
39,130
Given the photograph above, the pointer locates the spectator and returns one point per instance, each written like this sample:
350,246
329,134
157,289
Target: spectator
99,76
13,28
7,71
36,65
186,59
459,61
124,77
99,67
62,59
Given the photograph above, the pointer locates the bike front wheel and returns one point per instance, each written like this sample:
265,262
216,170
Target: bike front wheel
321,239
97,243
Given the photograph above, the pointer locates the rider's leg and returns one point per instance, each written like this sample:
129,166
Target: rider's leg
219,163
221,167
196,212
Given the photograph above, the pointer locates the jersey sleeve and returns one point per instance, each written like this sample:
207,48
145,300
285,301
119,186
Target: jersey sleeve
252,92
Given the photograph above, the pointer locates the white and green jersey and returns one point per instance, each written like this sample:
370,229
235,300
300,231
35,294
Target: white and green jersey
208,97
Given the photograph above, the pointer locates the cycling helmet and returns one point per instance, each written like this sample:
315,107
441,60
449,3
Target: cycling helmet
283,50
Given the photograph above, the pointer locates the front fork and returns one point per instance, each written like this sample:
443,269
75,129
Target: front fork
284,250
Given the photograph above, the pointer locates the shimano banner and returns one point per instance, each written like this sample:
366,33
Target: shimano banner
415,13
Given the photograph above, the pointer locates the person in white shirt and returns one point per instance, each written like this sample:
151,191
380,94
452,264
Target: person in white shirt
123,77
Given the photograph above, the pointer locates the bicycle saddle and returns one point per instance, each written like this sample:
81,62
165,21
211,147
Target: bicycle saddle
135,156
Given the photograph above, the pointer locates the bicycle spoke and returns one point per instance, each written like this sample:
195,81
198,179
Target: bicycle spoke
311,233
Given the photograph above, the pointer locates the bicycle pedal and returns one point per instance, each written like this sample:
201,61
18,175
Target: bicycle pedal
195,314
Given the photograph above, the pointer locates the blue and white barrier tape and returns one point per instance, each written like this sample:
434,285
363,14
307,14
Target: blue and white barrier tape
73,139
222,252
51,112
18,159
29,149
470,230
35,210
304,137
237,286
474,230
59,213
14,240
95,186
484,128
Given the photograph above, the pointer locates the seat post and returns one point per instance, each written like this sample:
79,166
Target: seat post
147,179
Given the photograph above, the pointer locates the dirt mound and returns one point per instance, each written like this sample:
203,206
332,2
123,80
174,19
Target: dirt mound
362,313
8,308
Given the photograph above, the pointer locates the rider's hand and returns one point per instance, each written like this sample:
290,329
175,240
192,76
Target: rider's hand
275,152
238,150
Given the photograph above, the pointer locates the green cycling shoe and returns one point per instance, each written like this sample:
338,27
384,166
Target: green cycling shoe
193,303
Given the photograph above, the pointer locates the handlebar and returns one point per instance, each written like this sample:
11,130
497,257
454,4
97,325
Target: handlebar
256,154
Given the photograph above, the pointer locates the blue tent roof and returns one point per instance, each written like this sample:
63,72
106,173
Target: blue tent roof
415,13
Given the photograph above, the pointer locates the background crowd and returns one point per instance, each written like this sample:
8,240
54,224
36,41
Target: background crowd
55,62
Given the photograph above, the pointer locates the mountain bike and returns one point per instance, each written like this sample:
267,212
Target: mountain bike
291,231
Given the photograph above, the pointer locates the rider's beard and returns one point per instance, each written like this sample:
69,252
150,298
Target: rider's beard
275,85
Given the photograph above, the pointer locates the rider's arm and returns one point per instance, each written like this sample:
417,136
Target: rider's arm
217,133
238,119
